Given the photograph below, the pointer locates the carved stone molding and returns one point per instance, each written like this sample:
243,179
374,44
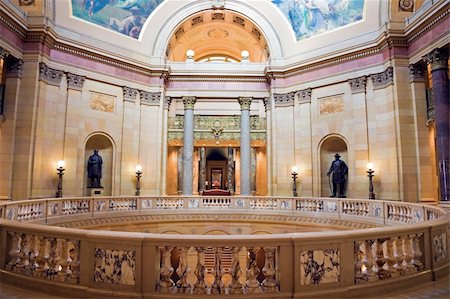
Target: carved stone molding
218,4
383,79
75,81
49,75
189,102
26,2
14,68
416,73
438,59
3,53
245,102
150,98
167,101
284,99
358,85
129,94
304,96
267,104
406,5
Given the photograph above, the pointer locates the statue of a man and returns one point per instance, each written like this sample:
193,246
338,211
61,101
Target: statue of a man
94,169
339,170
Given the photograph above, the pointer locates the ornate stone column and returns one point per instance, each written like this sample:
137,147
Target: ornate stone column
438,59
166,106
188,144
202,171
180,170
245,103
230,170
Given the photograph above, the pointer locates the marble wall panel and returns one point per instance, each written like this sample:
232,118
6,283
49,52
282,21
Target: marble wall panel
115,266
319,266
102,102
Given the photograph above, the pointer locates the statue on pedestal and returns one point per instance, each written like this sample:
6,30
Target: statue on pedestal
94,170
339,170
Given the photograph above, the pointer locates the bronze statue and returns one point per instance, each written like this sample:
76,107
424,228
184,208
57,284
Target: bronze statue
339,170
94,170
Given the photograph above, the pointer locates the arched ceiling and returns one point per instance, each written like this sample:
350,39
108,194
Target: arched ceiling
217,33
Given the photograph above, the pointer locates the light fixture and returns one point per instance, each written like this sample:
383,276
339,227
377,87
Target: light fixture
60,170
370,174
245,54
138,182
190,54
294,172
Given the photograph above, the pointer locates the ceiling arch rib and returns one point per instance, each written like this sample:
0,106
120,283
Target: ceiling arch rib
216,35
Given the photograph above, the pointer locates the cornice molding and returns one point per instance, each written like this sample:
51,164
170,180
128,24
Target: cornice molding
149,98
12,24
222,78
428,24
49,75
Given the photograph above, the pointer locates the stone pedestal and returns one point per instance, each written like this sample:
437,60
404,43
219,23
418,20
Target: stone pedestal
95,192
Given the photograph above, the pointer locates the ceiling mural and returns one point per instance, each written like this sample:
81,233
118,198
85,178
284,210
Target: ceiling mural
124,16
311,17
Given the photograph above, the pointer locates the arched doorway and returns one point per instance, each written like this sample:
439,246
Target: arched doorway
216,168
105,148
329,147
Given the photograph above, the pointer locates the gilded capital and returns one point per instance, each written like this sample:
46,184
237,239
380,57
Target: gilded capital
189,102
245,102
438,59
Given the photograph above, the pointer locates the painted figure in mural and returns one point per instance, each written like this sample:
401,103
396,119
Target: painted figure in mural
94,170
339,170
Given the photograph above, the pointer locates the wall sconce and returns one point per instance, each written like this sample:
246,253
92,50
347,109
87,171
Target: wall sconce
138,176
245,55
370,174
294,172
60,169
190,55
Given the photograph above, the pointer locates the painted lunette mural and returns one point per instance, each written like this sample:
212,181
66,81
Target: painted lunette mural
311,17
124,16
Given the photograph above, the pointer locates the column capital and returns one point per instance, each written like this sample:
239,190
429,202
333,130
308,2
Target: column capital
189,102
304,96
245,102
383,79
3,53
129,94
284,99
438,59
49,75
167,101
75,81
149,98
14,69
416,73
267,104
358,85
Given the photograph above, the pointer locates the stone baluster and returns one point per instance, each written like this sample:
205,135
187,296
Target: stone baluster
398,254
236,272
14,252
408,255
269,284
218,287
44,254
417,253
54,259
34,254
166,283
65,261
183,285
368,261
252,285
389,257
377,251
24,265
75,263
200,286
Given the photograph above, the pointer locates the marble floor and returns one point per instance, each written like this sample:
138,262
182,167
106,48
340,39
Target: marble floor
431,290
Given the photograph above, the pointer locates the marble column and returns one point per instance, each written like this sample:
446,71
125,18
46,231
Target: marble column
202,171
245,103
253,154
230,170
188,144
180,170
438,59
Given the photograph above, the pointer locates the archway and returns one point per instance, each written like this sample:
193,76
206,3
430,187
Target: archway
329,147
105,149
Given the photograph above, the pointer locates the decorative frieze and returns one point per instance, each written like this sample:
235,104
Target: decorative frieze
102,102
438,59
129,94
49,75
14,68
416,73
440,251
383,79
245,102
75,81
150,98
284,99
358,85
189,102
304,96
332,104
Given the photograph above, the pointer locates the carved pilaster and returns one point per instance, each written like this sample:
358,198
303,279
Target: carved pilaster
284,99
129,94
416,73
167,101
267,104
49,75
358,85
189,102
304,96
383,79
150,98
75,81
14,68
438,59
245,102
